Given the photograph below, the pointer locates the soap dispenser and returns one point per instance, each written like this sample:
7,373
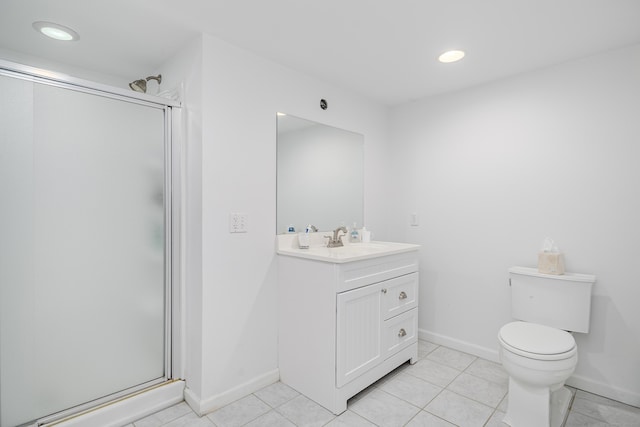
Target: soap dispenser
355,235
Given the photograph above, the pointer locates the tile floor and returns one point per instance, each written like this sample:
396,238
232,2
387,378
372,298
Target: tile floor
445,388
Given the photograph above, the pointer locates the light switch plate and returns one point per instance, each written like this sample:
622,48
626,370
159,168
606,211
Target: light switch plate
238,222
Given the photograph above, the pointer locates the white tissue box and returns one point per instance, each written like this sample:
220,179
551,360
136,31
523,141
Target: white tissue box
550,263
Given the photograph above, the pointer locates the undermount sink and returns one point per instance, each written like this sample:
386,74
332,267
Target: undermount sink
287,245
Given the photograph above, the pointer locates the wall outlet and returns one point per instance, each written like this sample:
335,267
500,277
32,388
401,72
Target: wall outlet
414,221
238,222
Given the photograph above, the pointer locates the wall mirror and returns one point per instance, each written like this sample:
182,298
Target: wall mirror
320,178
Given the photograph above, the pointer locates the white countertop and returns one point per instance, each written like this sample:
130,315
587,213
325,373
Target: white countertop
288,245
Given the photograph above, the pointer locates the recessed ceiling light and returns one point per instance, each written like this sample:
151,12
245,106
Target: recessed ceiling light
451,56
56,31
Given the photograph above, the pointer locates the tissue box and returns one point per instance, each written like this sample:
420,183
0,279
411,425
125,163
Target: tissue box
550,263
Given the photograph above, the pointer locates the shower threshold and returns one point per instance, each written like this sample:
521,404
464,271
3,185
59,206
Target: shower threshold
128,408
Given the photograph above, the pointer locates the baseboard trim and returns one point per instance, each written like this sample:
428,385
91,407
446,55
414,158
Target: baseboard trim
456,344
202,406
193,400
606,390
577,381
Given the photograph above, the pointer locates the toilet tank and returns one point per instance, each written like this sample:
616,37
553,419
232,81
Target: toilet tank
560,301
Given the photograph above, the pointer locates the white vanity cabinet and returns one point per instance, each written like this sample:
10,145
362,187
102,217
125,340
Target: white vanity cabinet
344,325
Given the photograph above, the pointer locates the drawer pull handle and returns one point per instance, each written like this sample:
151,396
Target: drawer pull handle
384,291
402,333
402,295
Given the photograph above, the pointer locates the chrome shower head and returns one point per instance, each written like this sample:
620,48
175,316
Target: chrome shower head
141,85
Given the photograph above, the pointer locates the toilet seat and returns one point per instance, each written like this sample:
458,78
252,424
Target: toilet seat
536,341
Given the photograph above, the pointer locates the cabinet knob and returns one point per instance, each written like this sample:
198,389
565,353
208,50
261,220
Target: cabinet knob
384,291
402,333
402,295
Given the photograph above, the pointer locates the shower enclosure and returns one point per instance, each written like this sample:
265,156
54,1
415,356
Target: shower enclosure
85,246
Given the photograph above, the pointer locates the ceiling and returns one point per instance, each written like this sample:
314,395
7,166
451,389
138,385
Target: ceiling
384,49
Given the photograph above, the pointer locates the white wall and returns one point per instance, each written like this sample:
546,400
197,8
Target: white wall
69,70
241,95
494,169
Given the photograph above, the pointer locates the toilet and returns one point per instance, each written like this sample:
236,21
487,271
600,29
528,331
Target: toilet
537,350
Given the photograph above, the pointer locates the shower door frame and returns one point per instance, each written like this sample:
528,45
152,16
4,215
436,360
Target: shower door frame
173,359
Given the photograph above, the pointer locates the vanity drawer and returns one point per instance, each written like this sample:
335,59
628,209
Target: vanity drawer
399,295
399,332
356,274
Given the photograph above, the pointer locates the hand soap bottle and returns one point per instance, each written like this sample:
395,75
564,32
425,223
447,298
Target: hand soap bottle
355,235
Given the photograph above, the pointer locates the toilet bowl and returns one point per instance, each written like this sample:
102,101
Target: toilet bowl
538,359
536,350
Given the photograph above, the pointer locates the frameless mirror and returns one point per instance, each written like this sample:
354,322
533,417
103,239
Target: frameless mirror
319,175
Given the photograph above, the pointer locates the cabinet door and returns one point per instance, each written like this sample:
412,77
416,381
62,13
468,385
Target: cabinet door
359,324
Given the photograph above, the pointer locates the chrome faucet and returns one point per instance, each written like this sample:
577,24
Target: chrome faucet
336,242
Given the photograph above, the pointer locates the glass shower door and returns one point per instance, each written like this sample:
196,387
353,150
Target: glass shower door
83,251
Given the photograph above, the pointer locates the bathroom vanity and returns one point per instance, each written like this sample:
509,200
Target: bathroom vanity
347,316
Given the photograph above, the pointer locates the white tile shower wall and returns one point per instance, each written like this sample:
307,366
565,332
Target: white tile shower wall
494,169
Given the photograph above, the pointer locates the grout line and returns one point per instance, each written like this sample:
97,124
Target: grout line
403,369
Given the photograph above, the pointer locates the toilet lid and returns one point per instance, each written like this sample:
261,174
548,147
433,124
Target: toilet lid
537,339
